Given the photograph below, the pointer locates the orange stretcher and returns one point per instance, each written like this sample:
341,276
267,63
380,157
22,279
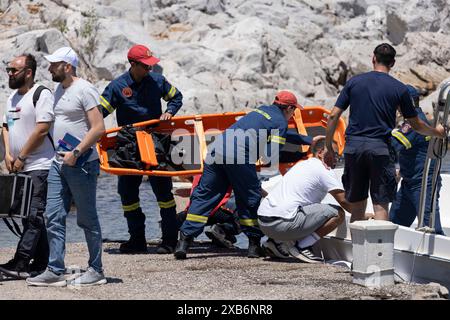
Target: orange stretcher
200,129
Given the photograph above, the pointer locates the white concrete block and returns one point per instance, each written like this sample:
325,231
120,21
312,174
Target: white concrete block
374,279
373,252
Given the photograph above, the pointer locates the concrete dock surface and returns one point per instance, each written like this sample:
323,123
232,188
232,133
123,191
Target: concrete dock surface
210,273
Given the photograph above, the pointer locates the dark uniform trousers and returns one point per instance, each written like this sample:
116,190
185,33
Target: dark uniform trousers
128,189
405,208
33,243
212,188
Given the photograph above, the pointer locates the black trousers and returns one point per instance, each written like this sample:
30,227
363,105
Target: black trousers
33,243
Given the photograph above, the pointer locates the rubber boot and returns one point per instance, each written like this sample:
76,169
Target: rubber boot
254,248
136,245
182,246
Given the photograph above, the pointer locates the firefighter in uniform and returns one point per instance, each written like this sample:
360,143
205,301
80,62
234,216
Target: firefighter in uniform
412,151
136,96
231,162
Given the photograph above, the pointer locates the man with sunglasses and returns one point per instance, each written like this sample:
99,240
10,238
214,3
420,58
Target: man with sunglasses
28,151
136,96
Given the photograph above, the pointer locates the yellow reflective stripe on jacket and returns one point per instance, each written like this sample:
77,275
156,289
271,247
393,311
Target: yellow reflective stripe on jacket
106,104
196,218
131,207
265,114
248,222
277,139
400,137
167,205
171,93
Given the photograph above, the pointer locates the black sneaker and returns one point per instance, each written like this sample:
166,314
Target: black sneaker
10,264
304,254
15,268
134,246
218,237
254,248
182,246
276,249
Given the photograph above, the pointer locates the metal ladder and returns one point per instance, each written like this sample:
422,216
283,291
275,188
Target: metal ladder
435,152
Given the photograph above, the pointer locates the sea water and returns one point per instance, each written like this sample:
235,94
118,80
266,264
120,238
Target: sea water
112,221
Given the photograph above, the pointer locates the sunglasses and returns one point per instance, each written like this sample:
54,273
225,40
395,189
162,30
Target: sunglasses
144,66
14,70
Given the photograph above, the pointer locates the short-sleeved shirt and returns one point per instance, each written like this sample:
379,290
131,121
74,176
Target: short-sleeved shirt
252,136
71,107
21,118
374,98
308,182
139,101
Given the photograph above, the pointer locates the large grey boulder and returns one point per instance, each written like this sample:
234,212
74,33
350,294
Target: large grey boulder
229,55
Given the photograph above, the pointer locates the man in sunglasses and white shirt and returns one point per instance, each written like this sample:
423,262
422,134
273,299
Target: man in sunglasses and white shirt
28,150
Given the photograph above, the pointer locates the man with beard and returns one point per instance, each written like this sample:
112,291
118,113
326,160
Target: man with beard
76,114
29,150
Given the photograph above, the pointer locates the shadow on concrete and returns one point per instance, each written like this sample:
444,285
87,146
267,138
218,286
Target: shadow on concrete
113,280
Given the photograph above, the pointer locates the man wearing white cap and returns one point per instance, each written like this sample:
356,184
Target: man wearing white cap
69,178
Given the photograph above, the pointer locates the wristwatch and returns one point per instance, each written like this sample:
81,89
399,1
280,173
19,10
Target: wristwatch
76,153
22,159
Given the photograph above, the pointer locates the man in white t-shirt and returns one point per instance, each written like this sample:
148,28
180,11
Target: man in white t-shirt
76,113
292,215
29,150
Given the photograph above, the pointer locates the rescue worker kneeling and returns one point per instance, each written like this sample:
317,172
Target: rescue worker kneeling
231,162
292,215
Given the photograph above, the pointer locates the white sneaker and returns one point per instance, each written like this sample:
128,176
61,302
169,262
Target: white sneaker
47,279
89,278
73,272
305,254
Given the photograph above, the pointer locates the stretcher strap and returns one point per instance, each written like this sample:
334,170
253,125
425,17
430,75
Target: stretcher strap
198,124
300,127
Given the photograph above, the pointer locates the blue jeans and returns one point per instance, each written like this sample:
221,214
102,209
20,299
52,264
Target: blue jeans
65,184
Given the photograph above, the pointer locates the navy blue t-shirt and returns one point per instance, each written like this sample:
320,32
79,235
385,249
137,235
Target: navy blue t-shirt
374,98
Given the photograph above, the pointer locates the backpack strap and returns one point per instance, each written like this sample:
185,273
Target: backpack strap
17,231
36,96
